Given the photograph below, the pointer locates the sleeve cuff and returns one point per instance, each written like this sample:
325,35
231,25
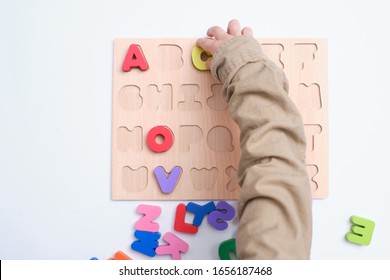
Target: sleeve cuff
233,54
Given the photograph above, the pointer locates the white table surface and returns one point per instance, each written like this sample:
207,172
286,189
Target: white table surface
55,120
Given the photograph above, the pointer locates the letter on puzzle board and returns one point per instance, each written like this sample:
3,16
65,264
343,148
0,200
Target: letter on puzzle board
168,116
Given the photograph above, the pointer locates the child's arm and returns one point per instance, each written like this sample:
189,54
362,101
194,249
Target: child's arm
275,202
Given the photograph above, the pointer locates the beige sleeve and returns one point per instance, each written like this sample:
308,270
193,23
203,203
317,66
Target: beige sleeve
274,207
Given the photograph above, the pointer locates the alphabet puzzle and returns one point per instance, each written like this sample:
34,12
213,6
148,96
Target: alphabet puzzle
172,135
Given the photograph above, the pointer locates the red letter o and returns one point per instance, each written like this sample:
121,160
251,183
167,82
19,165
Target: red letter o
163,131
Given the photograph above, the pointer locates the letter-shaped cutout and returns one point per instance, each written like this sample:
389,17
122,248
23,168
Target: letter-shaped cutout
224,212
129,139
147,242
159,97
311,130
150,213
200,211
166,134
130,98
134,180
232,185
226,248
199,58
305,54
169,57
134,59
220,139
167,183
204,179
189,135
361,231
180,225
175,248
312,171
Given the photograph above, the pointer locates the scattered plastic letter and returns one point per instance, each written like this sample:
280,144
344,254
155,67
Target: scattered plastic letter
147,243
146,222
361,231
175,248
200,211
180,225
226,248
224,212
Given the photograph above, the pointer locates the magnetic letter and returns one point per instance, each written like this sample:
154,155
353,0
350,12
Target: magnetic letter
224,212
175,247
167,183
134,59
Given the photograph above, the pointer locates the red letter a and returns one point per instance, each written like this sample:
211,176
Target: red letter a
135,58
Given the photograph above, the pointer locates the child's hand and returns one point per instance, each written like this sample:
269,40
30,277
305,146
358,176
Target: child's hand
218,36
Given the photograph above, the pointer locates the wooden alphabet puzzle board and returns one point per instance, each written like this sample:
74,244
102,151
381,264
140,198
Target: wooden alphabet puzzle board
172,135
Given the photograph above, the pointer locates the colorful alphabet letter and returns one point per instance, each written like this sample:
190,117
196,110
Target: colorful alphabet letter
180,225
361,231
197,60
147,242
134,59
165,133
226,248
146,222
224,212
167,182
120,256
175,248
200,211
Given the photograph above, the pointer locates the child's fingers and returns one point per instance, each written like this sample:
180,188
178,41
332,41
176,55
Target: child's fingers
247,31
217,32
234,28
207,44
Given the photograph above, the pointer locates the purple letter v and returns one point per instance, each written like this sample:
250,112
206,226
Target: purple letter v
167,183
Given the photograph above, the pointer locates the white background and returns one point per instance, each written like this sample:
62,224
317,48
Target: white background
55,120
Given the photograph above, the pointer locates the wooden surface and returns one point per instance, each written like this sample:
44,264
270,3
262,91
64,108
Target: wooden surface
173,93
